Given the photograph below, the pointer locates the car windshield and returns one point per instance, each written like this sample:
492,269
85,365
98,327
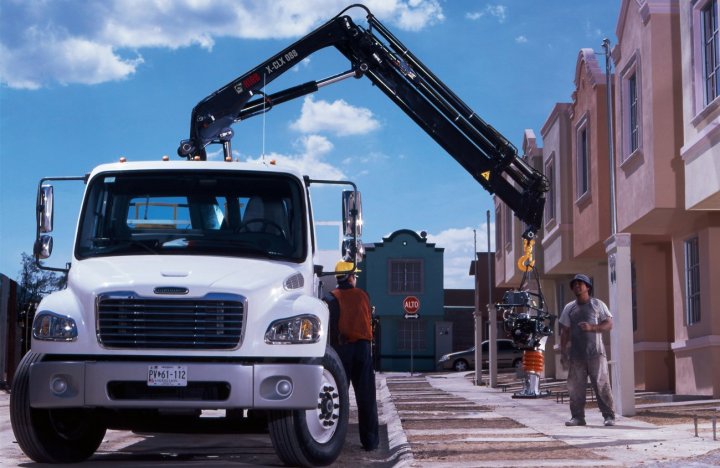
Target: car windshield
242,214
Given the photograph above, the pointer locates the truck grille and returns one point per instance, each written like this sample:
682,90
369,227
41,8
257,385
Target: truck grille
130,322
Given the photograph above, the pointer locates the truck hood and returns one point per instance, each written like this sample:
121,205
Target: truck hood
199,275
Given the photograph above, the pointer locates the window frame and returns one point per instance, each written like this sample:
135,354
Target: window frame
583,128
631,109
703,105
406,261
499,217
551,201
419,341
711,84
508,228
691,258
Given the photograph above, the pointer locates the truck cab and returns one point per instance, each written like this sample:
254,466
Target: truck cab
194,285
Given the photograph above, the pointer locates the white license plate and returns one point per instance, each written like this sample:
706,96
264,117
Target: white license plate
167,376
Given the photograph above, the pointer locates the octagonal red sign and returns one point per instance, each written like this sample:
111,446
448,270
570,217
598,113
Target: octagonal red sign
411,304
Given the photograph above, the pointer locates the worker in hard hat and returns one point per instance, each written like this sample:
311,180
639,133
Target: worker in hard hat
351,325
582,323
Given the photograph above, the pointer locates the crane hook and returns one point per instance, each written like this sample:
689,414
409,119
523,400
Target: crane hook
526,262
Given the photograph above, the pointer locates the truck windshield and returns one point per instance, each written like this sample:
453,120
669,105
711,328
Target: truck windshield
239,214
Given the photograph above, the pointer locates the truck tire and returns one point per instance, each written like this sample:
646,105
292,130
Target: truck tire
315,437
66,435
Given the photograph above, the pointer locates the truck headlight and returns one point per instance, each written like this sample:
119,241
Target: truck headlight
49,326
301,329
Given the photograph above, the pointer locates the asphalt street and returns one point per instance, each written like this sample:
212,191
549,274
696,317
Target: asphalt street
433,420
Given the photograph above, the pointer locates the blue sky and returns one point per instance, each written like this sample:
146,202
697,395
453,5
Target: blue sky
83,83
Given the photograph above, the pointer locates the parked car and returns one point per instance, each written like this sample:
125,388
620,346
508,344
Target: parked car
508,356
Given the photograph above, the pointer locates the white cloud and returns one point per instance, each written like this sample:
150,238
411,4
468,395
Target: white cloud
308,161
591,31
459,244
521,39
497,11
68,42
304,63
338,117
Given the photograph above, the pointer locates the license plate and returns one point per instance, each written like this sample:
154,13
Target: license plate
167,376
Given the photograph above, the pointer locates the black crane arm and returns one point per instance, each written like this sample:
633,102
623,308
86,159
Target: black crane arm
488,156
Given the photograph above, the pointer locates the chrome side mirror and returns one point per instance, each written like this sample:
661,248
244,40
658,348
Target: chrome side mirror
352,213
43,247
45,208
352,246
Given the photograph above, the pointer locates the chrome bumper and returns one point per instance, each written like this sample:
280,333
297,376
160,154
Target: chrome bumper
262,386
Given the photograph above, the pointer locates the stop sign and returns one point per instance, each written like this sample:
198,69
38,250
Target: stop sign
411,304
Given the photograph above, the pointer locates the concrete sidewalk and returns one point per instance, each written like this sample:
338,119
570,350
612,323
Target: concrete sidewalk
444,420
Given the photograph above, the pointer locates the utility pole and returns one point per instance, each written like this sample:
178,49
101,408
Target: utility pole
492,315
478,316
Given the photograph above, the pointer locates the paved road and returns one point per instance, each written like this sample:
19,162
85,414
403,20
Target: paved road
199,447
436,420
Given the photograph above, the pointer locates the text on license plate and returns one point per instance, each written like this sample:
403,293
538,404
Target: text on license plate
167,376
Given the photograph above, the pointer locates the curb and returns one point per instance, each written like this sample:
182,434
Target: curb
399,448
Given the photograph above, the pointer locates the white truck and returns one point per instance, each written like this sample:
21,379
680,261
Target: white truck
195,284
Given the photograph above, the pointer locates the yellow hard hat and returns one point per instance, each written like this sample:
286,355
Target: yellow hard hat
347,267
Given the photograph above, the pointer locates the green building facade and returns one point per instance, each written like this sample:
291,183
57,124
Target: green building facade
405,268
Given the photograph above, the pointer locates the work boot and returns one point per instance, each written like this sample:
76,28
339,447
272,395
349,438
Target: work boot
575,422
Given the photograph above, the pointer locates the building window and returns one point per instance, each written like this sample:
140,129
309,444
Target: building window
411,335
498,231
710,52
634,130
551,194
631,113
692,280
406,276
507,228
583,161
633,295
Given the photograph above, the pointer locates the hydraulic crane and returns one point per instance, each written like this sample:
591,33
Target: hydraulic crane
374,52
488,156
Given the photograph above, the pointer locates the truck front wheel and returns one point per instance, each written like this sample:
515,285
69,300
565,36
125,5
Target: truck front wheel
66,435
315,437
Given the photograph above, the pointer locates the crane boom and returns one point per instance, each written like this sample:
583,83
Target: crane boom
374,52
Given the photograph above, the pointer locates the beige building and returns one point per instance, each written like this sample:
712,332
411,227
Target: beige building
666,131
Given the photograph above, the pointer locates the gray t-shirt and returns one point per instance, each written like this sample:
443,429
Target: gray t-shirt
585,344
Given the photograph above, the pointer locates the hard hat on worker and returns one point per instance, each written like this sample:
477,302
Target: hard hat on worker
347,267
585,279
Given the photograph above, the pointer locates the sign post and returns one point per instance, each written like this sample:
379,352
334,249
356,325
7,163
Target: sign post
411,305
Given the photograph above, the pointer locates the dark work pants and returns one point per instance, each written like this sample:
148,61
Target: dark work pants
595,367
357,361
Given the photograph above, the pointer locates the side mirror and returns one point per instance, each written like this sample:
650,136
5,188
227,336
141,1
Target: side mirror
45,209
43,247
353,249
352,213
352,246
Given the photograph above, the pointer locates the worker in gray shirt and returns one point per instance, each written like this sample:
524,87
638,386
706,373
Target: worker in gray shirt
581,325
